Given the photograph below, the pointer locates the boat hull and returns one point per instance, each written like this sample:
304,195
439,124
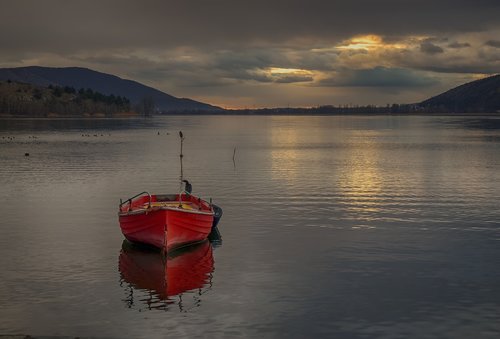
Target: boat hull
166,227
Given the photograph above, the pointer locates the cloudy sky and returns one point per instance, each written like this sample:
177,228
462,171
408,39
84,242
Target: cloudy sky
260,53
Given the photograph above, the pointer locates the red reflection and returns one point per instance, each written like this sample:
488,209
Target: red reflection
163,277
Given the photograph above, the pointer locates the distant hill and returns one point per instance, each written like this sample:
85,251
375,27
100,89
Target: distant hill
480,96
107,84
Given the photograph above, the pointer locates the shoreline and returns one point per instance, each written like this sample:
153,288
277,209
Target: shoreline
2,117
129,117
332,114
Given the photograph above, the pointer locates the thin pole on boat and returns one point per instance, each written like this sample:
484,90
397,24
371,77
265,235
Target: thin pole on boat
182,175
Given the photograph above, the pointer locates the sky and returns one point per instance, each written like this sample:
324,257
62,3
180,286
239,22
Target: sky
263,53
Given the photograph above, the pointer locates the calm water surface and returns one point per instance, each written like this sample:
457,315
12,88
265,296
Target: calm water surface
333,227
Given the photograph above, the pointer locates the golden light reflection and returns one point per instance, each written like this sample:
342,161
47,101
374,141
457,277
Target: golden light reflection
361,184
284,154
290,161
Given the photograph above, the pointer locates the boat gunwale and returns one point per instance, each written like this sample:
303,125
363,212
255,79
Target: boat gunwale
149,207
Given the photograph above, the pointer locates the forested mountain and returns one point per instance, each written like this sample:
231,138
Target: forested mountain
107,84
480,96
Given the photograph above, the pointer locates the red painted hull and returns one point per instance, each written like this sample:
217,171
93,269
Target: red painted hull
162,224
167,277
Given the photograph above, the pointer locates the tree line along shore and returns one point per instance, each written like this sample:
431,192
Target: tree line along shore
27,100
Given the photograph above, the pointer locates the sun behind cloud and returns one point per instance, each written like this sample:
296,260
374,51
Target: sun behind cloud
368,42
362,42
289,75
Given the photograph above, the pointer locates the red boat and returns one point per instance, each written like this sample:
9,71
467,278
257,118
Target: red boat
186,269
167,221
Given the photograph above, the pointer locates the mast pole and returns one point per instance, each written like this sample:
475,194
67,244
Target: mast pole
182,174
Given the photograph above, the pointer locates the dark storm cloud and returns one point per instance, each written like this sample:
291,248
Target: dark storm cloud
231,60
285,57
73,25
493,43
429,48
378,77
459,45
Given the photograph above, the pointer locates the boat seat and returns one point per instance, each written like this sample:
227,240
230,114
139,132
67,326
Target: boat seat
185,205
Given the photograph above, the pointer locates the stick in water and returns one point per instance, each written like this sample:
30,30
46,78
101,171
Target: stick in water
234,154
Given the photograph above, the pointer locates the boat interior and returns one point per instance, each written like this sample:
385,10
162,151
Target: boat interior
144,201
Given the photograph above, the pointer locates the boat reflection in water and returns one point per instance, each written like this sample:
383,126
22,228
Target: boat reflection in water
155,281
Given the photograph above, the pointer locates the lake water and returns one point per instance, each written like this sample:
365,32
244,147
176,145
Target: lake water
333,226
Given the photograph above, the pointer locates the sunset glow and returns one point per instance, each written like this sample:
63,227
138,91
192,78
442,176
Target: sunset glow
362,42
277,70
369,42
